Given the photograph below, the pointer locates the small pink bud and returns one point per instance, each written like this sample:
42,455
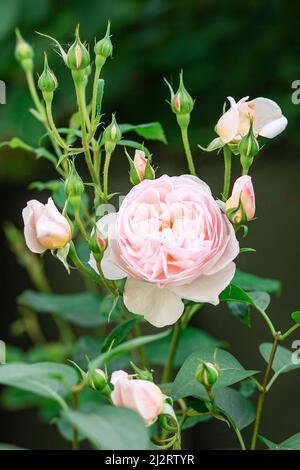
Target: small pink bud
140,395
177,102
140,163
45,228
242,199
101,241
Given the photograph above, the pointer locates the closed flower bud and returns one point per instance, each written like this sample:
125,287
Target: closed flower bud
24,52
248,148
142,165
112,135
47,82
142,396
45,228
74,187
182,103
103,48
207,374
97,380
240,207
78,56
97,244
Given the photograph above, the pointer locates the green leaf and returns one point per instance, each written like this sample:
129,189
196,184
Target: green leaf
231,371
151,131
240,311
247,388
111,428
296,316
215,144
192,421
190,340
120,333
233,293
283,361
260,299
16,143
255,283
100,91
45,379
88,348
84,309
125,347
292,443
235,406
135,145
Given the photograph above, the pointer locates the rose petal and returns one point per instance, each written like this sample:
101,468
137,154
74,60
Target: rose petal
160,306
206,288
228,124
274,128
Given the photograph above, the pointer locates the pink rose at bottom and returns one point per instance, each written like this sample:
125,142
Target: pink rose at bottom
172,241
45,228
242,199
142,396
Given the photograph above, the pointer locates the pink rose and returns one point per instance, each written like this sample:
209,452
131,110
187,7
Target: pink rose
243,196
45,227
266,115
172,241
140,163
140,395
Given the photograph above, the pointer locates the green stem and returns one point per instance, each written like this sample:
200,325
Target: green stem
141,352
187,149
262,394
167,373
80,224
227,171
267,320
105,174
80,93
238,434
53,128
35,98
94,100
288,332
75,400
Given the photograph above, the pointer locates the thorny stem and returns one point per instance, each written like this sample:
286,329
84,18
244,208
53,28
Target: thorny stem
187,149
227,171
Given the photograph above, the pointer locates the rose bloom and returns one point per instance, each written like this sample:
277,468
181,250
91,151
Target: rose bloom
266,115
45,228
242,194
172,241
142,396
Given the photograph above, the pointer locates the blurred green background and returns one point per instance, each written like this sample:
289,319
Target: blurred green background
225,48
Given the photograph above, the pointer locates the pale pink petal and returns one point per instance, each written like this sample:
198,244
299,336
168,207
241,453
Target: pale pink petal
228,124
159,306
104,224
207,288
274,128
148,399
111,270
267,111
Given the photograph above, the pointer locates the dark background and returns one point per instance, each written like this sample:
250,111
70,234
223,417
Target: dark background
225,48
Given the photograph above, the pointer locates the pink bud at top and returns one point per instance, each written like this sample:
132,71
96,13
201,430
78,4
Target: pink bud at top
45,228
243,199
177,102
140,395
140,163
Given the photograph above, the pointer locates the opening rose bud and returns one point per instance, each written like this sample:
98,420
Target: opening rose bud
140,395
45,228
266,115
140,163
241,203
207,374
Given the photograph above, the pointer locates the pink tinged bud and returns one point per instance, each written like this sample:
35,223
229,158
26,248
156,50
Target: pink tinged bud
45,228
78,55
177,102
140,163
113,131
101,241
142,396
243,199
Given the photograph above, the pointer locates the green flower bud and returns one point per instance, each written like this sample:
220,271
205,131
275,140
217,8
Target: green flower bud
207,374
74,187
103,48
24,52
112,135
182,102
47,82
248,148
97,244
97,380
142,374
78,56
